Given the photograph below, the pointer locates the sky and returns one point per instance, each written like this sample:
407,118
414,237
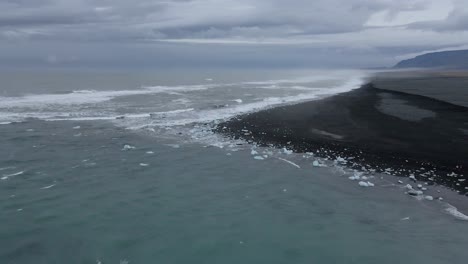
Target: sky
227,33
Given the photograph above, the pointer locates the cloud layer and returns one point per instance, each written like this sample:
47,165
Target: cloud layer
384,27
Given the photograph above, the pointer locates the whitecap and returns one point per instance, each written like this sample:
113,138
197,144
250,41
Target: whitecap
5,177
48,187
454,212
290,162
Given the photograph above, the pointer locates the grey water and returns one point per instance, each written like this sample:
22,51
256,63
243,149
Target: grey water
89,176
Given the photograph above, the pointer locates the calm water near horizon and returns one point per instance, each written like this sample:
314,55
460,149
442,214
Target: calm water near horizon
123,167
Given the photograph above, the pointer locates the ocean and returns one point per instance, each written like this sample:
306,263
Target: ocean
124,166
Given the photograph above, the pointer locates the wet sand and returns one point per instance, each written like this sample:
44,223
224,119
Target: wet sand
374,130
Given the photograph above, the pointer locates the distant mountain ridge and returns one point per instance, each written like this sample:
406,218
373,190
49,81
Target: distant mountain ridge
456,59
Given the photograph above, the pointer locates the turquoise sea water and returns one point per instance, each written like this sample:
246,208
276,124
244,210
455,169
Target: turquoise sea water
79,186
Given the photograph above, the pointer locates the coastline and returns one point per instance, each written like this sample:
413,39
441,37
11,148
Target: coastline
373,130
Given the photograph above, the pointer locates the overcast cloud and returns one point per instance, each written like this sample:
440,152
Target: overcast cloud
337,32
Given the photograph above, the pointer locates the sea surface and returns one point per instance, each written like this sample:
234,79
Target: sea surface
123,166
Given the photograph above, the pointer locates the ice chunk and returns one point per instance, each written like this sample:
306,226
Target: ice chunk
400,182
415,193
316,163
428,197
341,160
253,152
259,158
409,187
128,147
366,184
287,151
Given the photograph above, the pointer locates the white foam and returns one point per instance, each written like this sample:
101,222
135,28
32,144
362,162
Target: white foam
5,177
290,162
47,187
457,214
90,96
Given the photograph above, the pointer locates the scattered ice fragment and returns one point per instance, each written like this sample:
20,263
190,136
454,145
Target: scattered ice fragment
400,182
412,177
341,160
354,177
259,158
409,187
441,199
428,197
424,189
128,147
253,152
317,164
415,193
287,151
366,184
419,186
290,162
144,164
364,178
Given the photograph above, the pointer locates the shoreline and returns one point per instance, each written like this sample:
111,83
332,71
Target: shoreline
372,130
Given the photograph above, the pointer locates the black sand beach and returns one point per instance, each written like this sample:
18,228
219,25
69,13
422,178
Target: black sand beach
383,130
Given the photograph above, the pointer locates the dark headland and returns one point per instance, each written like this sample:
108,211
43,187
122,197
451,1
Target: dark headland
411,123
453,59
